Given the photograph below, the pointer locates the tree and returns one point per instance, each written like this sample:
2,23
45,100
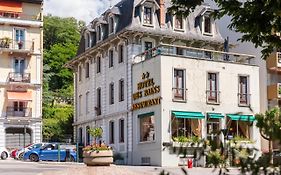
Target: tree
269,125
259,21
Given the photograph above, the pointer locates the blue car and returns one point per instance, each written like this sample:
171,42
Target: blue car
50,152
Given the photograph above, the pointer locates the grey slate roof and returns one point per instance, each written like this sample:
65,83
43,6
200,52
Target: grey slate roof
30,1
128,19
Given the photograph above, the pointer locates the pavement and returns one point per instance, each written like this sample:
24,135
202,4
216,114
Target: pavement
15,167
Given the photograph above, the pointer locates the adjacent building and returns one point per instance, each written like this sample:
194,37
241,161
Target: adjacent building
21,59
150,78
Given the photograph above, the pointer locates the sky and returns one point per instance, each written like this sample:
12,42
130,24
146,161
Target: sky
85,10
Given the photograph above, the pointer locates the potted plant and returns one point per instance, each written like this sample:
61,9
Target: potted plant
97,153
20,44
6,41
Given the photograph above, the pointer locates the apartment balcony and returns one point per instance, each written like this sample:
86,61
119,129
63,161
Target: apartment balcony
19,77
179,94
273,62
20,16
21,19
194,53
12,46
18,112
244,99
213,97
274,91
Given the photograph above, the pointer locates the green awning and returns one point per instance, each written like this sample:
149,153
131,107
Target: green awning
186,114
250,118
146,114
215,115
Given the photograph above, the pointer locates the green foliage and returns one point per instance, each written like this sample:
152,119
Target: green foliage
215,158
57,122
258,21
61,39
95,132
183,139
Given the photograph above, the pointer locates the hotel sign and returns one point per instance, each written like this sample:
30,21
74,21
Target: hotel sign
146,88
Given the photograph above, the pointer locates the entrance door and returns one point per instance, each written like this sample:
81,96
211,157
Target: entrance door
213,132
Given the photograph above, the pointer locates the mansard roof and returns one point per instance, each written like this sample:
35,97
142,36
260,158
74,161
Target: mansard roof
129,19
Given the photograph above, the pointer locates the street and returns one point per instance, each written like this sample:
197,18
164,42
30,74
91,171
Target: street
14,167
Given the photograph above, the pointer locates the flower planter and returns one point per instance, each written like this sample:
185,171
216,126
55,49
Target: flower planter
94,158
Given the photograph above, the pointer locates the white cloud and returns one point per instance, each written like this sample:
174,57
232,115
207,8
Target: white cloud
85,10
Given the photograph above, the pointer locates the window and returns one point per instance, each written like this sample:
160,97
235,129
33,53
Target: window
111,25
80,73
87,102
212,88
121,53
87,74
111,132
148,47
111,93
99,32
147,15
19,66
179,85
147,128
88,135
98,107
207,25
80,105
19,106
88,40
243,91
110,58
80,136
239,129
19,38
185,127
98,64
178,23
121,131
121,90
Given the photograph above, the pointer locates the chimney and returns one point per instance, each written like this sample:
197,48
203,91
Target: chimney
162,13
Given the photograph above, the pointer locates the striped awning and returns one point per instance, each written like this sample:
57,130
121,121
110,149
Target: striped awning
11,6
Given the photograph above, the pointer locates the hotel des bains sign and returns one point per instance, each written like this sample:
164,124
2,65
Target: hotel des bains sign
146,87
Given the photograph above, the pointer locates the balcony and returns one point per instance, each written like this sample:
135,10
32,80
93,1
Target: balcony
18,112
273,62
244,99
8,45
194,53
179,94
213,97
20,16
274,91
19,77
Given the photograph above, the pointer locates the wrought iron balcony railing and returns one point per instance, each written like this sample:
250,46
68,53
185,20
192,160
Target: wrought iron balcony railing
18,112
8,44
19,77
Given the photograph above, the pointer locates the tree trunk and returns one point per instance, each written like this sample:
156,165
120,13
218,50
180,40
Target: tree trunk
270,152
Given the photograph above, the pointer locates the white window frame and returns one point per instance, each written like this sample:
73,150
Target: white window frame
14,37
99,35
110,26
211,27
248,91
183,24
183,88
139,130
148,5
209,90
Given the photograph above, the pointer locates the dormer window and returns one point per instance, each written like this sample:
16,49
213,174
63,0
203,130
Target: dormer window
88,40
147,15
178,23
99,33
111,25
207,25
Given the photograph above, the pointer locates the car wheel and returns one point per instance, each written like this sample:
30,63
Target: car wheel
20,156
4,155
33,158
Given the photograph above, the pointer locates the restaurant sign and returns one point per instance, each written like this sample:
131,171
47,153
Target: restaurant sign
146,88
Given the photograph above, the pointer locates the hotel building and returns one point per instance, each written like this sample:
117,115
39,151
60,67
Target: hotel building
149,78
21,59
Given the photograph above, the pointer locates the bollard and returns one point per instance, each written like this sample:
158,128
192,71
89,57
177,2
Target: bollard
77,152
58,152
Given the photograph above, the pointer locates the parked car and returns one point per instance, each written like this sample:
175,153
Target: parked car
20,152
50,152
4,154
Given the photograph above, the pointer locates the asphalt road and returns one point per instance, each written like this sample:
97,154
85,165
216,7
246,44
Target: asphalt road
15,167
